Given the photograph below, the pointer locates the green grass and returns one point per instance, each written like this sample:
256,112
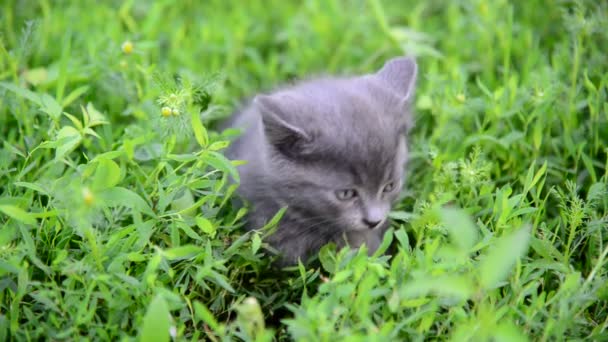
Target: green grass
117,221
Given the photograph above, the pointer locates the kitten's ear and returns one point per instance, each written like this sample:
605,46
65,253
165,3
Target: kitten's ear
400,75
285,136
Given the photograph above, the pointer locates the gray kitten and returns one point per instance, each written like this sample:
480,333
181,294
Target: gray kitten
333,152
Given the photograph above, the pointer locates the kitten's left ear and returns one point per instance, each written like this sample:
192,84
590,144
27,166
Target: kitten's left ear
284,135
400,74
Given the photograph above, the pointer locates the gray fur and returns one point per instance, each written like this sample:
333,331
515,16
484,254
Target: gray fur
307,141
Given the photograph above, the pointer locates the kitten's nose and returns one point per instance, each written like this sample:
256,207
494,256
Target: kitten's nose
371,223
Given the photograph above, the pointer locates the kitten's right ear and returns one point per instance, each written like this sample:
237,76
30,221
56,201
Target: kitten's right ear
400,75
284,136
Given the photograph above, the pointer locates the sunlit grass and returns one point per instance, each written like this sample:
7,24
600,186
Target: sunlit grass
116,205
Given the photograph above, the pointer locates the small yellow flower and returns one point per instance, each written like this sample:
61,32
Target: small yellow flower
166,111
87,196
461,98
127,47
175,111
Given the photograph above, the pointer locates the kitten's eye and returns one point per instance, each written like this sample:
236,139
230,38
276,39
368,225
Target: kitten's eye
346,194
390,186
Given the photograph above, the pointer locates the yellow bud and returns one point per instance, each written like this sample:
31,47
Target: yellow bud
460,98
166,111
175,111
127,47
87,196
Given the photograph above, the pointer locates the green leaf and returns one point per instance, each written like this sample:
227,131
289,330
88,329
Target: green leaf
188,231
124,197
341,276
401,216
36,76
256,242
22,92
32,186
94,117
108,155
571,283
75,121
448,286
461,228
219,162
13,149
327,257
250,319
182,252
17,214
4,329
507,331
596,193
235,245
7,234
387,240
91,132
183,158
202,313
206,226
74,95
68,138
589,166
270,227
221,281
49,105
403,239
183,203
496,265
200,133
219,145
156,323
136,257
533,178
107,174
545,249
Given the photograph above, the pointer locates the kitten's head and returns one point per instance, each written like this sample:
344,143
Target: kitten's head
337,147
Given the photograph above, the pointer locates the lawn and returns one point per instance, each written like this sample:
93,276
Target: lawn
116,212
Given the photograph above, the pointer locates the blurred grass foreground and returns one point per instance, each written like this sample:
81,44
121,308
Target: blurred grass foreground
115,205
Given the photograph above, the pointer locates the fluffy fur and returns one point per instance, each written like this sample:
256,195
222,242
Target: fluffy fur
332,151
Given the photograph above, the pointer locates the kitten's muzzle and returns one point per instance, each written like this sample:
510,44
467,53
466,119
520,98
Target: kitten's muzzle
375,215
372,224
